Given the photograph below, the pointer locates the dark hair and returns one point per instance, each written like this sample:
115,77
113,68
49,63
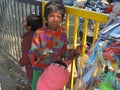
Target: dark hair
60,63
34,21
54,6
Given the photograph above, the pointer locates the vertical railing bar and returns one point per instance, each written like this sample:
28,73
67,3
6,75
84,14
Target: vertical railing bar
13,18
16,30
3,29
5,24
25,11
74,46
2,17
22,17
20,28
8,24
67,23
43,4
10,27
30,8
13,27
84,38
96,30
15,33
23,14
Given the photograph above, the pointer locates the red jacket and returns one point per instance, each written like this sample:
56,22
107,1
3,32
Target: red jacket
25,46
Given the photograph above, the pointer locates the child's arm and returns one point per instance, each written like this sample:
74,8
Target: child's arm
34,47
70,53
37,52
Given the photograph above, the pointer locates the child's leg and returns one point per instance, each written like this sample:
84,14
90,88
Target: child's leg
36,75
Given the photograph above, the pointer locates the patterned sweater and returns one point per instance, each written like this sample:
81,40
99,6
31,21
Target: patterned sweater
53,40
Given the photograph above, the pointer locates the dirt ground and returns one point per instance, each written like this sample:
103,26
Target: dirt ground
6,81
10,73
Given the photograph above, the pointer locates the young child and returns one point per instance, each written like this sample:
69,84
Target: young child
50,41
31,24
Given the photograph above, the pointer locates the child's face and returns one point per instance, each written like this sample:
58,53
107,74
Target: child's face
25,25
54,19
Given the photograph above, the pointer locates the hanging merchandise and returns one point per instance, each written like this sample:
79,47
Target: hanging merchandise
107,47
106,53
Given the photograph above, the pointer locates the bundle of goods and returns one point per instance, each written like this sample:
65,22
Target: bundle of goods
106,54
103,66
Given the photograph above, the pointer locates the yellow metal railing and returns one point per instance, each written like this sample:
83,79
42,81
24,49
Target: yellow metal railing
87,15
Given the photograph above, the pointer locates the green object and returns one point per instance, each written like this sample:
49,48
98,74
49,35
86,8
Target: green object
36,76
109,77
105,86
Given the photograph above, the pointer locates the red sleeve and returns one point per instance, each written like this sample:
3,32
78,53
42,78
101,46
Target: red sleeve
25,45
34,46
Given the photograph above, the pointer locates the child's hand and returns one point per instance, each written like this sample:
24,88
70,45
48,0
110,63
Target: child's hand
23,69
43,53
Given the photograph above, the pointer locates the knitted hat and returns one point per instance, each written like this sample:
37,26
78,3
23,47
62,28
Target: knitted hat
54,77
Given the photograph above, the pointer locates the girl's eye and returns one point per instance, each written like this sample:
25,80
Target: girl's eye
51,15
59,16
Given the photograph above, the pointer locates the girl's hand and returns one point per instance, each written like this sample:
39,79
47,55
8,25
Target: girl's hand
43,53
